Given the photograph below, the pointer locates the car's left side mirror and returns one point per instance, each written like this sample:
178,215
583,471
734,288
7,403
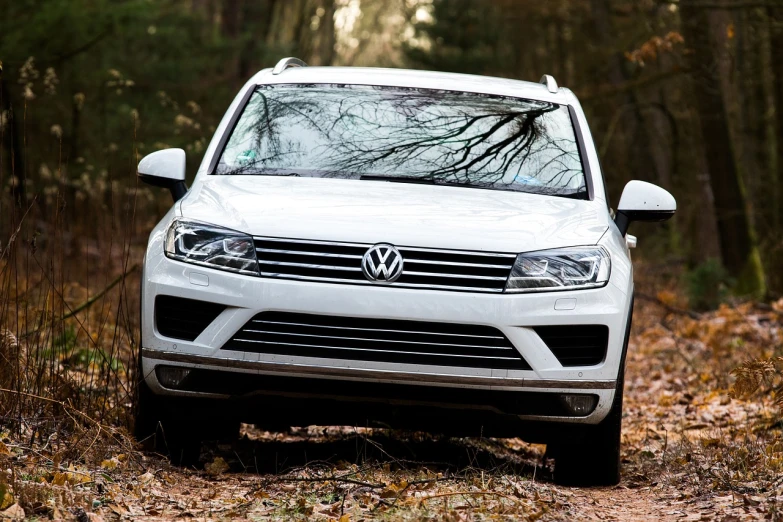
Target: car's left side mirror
165,168
642,201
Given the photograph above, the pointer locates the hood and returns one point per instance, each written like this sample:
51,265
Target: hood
399,213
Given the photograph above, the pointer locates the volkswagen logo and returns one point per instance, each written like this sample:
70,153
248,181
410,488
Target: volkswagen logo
382,263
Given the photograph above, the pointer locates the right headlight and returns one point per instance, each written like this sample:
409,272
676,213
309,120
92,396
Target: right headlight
561,269
210,245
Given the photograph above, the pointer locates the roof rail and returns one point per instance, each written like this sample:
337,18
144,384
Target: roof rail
285,63
547,80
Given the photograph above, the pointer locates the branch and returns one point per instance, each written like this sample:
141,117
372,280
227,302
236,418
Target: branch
669,308
326,479
705,4
88,303
82,48
632,85
476,493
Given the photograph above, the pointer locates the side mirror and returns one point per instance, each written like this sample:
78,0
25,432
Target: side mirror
642,201
165,168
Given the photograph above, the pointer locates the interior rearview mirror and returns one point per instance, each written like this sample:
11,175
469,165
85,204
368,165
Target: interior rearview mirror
165,168
642,201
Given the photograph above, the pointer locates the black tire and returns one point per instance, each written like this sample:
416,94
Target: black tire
592,457
175,426
158,429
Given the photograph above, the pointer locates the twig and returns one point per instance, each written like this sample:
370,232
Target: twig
669,308
333,479
68,409
88,303
586,96
411,483
475,493
328,479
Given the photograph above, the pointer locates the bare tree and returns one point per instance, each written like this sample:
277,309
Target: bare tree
738,245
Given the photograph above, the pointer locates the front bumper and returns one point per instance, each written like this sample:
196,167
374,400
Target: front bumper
514,315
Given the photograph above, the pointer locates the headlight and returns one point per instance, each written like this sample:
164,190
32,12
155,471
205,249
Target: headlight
212,246
562,269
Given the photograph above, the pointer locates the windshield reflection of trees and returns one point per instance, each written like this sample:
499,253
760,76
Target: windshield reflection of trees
439,137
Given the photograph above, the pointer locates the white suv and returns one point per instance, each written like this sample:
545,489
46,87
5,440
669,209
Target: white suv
377,247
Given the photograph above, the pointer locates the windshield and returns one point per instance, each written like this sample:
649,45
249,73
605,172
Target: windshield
406,135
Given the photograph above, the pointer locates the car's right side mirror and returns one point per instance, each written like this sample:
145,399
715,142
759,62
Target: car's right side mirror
642,201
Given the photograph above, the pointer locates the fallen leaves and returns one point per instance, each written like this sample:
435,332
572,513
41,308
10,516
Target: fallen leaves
14,512
217,466
690,451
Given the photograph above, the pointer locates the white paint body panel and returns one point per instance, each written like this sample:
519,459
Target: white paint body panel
642,196
166,163
405,215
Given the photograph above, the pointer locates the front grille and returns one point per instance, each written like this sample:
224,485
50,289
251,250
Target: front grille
384,340
576,345
423,267
184,318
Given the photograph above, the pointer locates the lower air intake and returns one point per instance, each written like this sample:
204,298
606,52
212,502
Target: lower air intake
576,345
184,319
383,340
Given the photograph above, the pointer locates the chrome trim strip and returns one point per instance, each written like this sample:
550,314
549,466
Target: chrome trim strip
404,249
304,253
393,285
454,276
379,329
482,346
307,265
310,241
401,248
379,351
375,375
455,263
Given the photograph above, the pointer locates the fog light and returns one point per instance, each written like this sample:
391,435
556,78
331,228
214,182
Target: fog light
171,376
580,405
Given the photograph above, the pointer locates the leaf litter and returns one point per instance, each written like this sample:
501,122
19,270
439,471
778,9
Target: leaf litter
701,441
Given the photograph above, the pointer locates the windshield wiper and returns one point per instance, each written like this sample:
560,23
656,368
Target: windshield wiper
401,179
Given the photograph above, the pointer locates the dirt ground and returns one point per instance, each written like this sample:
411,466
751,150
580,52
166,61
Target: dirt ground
690,452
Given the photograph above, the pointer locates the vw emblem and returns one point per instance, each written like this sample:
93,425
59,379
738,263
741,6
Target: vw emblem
382,263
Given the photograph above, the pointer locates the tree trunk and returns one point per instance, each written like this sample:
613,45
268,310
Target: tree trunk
774,251
230,30
633,150
15,157
739,251
326,36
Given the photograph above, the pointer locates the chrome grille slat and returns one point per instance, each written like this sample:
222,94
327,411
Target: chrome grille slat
378,351
375,340
300,253
423,268
455,263
470,252
317,267
313,242
455,276
380,340
376,329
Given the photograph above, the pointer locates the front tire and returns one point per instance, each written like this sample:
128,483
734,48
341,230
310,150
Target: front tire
594,458
176,426
157,430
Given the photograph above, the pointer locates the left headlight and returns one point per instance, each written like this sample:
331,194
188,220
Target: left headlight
212,246
561,269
